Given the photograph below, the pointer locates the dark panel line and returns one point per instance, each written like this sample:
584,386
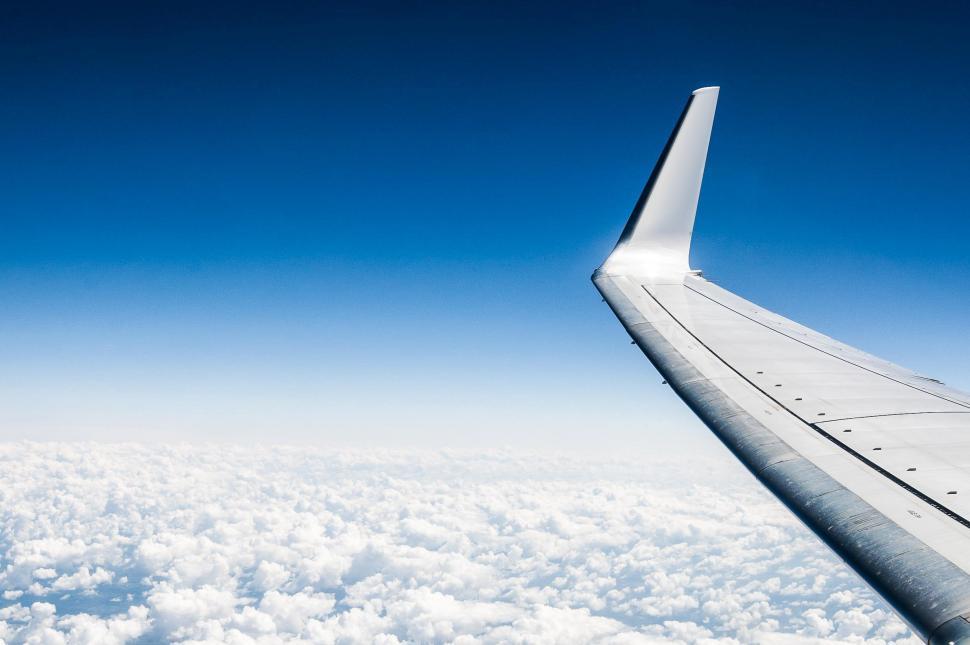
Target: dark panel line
844,360
893,478
895,414
879,469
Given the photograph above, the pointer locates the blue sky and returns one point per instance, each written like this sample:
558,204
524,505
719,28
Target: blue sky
375,224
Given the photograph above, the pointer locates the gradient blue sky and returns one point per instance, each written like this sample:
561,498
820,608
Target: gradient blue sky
375,224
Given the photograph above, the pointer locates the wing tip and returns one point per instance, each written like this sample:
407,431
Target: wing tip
657,235
706,90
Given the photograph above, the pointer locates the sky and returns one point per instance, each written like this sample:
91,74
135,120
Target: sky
368,224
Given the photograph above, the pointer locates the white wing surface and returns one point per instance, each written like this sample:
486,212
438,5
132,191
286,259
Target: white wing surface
873,458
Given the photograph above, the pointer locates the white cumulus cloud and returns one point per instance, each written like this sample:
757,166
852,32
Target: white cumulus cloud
134,543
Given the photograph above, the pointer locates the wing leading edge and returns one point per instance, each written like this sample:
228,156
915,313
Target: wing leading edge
873,458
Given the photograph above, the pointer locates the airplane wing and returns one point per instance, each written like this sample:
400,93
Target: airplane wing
874,458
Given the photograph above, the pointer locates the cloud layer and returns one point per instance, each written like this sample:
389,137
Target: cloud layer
145,543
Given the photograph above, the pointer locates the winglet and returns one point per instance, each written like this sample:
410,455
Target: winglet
656,239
